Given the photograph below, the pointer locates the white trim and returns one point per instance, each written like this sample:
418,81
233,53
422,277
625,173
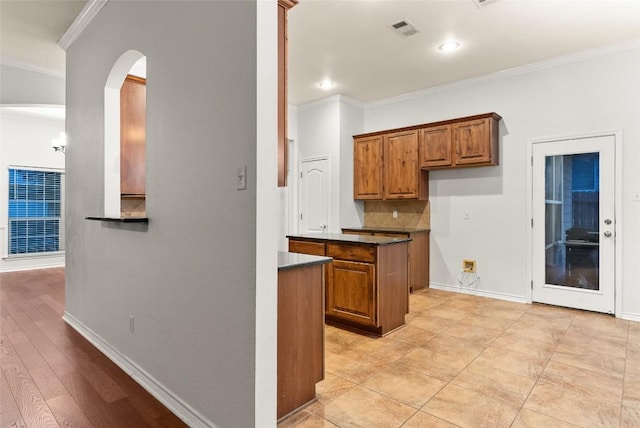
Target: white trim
516,71
477,292
181,409
14,63
331,99
83,19
30,267
36,168
618,278
630,316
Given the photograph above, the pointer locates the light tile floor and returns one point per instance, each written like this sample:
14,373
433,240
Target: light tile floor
468,361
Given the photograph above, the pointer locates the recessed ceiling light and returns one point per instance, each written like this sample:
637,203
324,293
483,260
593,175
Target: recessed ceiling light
449,46
326,84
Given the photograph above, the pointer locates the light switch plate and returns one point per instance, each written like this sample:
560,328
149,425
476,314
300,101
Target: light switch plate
242,178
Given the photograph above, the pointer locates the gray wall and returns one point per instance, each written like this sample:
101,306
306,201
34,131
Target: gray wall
189,278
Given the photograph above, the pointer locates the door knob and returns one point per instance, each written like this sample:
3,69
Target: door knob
607,234
607,221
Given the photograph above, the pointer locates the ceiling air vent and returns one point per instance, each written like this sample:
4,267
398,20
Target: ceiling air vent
404,28
479,3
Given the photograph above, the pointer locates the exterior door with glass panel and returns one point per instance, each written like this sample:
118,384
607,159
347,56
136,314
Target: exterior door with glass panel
574,223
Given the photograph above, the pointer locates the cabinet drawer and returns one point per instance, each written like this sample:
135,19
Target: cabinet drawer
357,253
306,247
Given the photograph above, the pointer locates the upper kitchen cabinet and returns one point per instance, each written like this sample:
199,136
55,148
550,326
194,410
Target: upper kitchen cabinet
475,142
283,141
402,175
386,166
367,167
132,136
435,146
458,143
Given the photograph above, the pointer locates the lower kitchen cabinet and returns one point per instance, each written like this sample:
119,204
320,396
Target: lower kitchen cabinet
366,287
418,259
300,330
350,291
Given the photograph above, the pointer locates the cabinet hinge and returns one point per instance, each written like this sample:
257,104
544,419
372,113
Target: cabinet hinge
300,216
300,175
532,284
531,222
531,160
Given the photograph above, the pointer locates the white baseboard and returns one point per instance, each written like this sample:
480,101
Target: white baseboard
476,292
181,409
630,316
21,267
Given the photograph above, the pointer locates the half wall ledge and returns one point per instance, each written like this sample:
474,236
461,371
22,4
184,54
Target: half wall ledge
121,219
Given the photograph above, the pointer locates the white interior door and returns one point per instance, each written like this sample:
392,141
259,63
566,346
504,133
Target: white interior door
315,194
574,223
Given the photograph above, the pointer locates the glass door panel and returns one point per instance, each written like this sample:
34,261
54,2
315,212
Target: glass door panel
571,220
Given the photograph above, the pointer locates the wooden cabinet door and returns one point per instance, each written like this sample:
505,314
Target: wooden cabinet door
435,146
133,114
472,142
351,293
367,167
401,166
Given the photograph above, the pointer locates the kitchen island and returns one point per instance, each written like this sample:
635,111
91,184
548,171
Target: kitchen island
418,263
366,285
300,329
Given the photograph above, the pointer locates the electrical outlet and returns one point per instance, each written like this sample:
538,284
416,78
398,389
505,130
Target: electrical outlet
469,265
395,214
130,323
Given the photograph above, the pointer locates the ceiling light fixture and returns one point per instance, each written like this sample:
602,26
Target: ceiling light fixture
449,46
326,84
60,144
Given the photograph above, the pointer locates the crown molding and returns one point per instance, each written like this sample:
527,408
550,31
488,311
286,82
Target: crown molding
14,63
83,19
627,45
338,98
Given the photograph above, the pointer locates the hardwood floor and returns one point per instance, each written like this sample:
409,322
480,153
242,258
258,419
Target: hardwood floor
53,377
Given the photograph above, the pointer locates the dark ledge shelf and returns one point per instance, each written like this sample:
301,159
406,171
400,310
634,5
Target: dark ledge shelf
121,219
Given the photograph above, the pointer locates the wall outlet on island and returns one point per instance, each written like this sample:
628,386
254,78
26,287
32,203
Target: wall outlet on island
395,214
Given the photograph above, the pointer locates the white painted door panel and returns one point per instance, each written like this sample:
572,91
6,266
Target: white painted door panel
574,223
314,195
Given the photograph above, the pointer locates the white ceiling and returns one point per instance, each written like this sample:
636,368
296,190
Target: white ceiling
30,30
350,41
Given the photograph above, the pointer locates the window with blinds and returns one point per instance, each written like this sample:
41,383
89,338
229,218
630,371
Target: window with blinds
36,211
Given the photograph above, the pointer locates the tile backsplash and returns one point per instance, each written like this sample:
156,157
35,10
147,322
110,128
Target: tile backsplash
133,207
410,214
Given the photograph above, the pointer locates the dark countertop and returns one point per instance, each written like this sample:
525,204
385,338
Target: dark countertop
358,239
387,229
295,260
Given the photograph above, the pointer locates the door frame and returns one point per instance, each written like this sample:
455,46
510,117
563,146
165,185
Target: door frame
619,225
300,190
